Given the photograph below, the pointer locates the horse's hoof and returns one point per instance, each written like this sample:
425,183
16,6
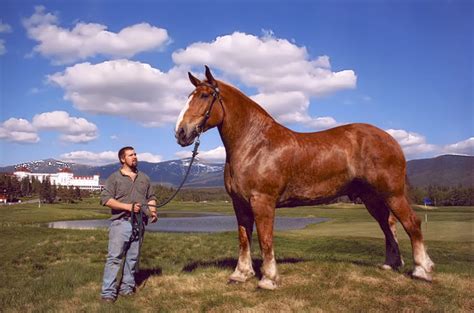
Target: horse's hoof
429,266
267,284
392,267
420,273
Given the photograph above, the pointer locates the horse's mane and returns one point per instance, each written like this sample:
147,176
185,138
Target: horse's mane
228,88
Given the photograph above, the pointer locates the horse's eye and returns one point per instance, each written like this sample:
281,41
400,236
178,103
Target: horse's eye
204,96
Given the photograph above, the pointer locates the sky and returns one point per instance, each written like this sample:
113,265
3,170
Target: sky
81,79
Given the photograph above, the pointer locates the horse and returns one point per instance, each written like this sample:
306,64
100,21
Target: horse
269,166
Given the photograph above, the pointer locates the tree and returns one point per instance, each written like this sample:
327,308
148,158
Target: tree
46,193
77,194
35,186
70,194
26,187
54,192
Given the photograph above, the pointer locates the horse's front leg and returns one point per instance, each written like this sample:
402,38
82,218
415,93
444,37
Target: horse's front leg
245,220
263,208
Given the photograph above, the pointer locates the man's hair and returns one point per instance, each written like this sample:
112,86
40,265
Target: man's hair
121,153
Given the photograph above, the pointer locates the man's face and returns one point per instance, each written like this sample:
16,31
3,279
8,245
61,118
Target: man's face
130,158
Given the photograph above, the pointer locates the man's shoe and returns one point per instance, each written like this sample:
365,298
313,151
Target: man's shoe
108,300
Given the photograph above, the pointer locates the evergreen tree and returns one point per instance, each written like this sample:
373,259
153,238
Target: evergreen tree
70,194
26,187
54,192
77,194
46,194
35,186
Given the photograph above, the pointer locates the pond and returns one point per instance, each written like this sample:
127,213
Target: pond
195,222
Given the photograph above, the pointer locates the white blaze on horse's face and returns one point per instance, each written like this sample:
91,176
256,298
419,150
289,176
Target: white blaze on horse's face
185,131
181,114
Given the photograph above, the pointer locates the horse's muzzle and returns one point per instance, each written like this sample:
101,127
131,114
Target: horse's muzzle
184,138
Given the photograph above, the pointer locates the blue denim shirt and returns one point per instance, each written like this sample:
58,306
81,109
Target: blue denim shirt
122,188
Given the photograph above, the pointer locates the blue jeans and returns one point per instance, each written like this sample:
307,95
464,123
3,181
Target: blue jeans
119,236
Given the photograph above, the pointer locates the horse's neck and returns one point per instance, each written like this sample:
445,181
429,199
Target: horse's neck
243,120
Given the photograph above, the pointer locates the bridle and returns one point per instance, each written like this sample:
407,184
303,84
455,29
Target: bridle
215,96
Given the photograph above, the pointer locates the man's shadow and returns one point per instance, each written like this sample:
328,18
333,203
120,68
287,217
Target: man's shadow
231,263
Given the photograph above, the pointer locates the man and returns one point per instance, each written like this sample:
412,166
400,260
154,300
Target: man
125,190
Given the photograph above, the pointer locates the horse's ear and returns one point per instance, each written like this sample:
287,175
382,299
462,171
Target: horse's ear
210,78
194,80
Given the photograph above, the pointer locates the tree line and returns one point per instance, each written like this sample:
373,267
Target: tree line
15,189
436,195
191,194
432,195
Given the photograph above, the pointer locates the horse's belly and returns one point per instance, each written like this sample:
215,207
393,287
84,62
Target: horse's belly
313,193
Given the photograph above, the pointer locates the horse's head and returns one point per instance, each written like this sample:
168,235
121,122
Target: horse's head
202,111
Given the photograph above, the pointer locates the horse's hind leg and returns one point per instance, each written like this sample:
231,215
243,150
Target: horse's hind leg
392,222
381,212
244,269
412,225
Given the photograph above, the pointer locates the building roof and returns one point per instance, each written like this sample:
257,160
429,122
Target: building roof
22,169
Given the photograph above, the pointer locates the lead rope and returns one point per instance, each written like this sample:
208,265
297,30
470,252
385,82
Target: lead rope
195,152
137,219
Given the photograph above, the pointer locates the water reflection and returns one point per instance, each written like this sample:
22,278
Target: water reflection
208,223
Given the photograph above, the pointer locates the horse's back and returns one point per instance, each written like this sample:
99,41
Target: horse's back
327,162
358,141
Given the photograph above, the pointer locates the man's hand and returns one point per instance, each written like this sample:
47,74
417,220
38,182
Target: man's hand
154,217
135,207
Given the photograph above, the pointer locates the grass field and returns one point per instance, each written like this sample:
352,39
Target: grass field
328,267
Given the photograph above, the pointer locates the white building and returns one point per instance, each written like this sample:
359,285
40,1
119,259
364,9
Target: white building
63,178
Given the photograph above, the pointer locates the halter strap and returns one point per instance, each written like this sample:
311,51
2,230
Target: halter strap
215,96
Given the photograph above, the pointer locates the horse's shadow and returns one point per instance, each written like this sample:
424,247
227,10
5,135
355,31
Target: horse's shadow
231,263
142,276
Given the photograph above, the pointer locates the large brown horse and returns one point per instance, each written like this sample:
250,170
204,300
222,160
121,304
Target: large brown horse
268,166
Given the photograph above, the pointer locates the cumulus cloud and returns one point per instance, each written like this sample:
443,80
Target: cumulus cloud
283,73
86,40
92,158
3,49
292,107
126,88
214,155
73,129
268,63
4,28
413,144
149,157
147,95
18,130
105,157
465,147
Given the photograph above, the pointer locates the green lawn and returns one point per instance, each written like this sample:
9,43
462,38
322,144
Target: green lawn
330,267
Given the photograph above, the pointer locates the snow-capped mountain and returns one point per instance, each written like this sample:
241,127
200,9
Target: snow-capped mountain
167,173
50,166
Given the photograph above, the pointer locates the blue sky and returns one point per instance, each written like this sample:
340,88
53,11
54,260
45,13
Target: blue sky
81,79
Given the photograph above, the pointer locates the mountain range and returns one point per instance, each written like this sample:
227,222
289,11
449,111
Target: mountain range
169,173
445,170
